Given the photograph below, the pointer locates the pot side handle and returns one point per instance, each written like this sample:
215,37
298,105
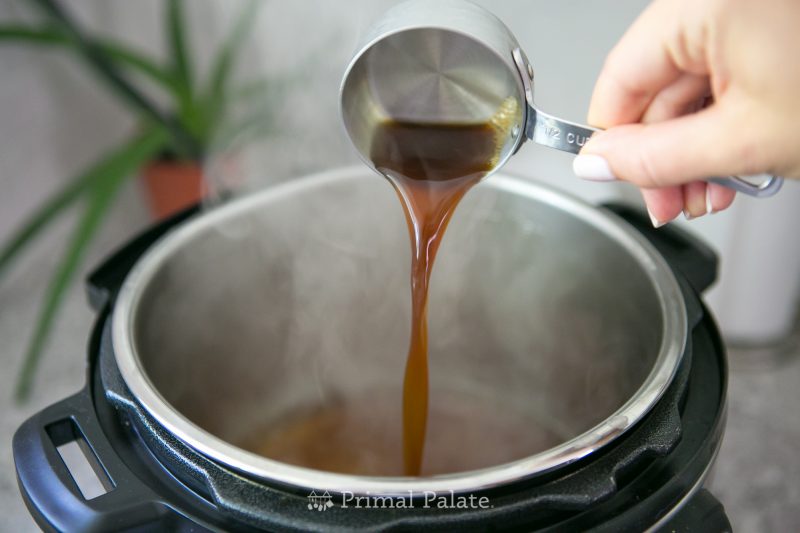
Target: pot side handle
684,252
49,489
104,281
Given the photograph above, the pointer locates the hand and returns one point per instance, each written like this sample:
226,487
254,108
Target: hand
698,88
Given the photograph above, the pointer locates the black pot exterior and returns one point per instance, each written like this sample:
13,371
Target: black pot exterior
652,476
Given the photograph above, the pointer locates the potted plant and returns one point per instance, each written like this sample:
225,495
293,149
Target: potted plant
169,145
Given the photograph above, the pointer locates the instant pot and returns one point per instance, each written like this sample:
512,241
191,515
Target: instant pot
582,322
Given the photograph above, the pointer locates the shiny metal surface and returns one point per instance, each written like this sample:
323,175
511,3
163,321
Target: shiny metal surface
454,62
435,62
768,186
299,294
543,128
560,134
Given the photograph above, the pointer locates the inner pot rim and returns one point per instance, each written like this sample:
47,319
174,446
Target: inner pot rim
673,335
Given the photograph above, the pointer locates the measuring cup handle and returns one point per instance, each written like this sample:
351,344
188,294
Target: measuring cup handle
766,188
570,137
557,133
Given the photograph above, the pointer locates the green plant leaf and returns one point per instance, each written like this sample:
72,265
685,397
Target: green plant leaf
179,58
214,96
183,141
115,51
115,169
40,219
177,43
175,34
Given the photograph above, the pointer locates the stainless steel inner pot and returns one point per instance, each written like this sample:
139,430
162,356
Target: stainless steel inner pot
541,305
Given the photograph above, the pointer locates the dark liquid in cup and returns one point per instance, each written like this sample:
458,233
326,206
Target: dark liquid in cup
431,166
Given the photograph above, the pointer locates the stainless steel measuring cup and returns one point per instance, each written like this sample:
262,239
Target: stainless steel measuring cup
454,62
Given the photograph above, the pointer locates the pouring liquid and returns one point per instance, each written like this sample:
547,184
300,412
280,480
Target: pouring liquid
431,167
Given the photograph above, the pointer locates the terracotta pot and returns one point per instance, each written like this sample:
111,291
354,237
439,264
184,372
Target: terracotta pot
172,185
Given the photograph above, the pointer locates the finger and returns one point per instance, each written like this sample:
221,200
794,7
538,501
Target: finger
636,70
694,200
689,148
680,97
718,197
663,204
683,96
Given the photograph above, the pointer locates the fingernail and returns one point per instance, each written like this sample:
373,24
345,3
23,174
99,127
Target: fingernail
592,167
656,223
709,207
687,215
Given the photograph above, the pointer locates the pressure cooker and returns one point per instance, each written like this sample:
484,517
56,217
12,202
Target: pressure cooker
582,321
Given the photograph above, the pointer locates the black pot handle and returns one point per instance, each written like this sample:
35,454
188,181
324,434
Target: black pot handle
49,489
703,512
687,254
104,281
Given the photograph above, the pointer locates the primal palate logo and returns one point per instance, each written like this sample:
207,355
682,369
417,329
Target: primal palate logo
412,500
320,502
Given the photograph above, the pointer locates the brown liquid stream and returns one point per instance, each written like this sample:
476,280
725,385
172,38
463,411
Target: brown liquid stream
431,167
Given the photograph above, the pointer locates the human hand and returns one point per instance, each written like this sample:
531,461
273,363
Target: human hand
698,88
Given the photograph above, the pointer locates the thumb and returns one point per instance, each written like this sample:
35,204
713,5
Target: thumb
685,149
